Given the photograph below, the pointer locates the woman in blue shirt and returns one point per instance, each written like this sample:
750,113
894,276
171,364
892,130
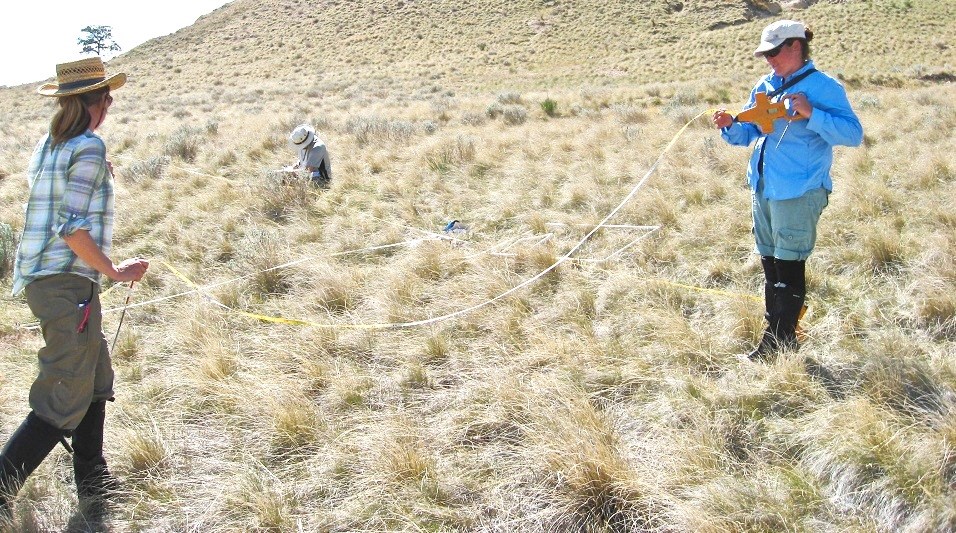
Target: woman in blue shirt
63,251
789,171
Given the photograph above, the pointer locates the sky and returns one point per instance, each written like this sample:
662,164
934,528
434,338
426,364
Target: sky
38,34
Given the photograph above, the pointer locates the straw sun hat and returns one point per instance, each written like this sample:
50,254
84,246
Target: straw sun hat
81,76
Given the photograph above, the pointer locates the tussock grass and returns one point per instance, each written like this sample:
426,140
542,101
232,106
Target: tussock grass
605,396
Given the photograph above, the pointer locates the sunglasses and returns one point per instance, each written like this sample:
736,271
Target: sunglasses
108,99
776,51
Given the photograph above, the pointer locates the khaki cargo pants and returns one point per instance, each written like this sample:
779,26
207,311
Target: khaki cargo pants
75,366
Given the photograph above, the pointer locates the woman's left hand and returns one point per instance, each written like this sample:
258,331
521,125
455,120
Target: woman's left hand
799,104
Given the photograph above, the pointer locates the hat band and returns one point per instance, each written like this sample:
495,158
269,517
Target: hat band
79,84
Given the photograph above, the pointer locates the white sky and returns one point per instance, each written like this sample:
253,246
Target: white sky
38,34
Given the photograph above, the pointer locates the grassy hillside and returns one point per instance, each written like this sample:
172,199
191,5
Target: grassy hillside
600,395
536,44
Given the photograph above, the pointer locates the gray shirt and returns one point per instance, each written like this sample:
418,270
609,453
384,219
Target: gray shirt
315,159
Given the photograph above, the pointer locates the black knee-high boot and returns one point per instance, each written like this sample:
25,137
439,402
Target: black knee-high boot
789,297
769,265
23,453
93,479
768,341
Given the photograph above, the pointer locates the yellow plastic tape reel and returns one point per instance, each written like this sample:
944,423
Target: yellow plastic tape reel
764,112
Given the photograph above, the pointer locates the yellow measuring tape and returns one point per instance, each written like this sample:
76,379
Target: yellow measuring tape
267,318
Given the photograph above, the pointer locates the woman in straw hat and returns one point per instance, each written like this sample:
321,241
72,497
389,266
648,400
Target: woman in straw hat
63,251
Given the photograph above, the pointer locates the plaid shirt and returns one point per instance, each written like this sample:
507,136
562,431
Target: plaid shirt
70,189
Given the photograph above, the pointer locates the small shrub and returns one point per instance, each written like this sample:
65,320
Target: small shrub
441,109
184,144
473,119
550,107
151,169
869,102
509,98
494,110
515,115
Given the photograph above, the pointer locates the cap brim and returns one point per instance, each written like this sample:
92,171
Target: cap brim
113,82
305,142
765,47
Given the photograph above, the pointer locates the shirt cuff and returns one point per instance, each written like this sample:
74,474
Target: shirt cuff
813,123
68,224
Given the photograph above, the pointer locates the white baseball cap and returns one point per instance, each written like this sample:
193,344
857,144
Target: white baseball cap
776,33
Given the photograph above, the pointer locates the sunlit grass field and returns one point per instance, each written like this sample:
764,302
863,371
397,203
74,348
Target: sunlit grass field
304,359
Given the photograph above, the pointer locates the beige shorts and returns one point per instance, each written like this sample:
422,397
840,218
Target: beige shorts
75,367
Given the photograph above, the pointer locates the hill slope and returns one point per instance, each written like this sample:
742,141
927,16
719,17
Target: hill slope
602,395
294,50
533,43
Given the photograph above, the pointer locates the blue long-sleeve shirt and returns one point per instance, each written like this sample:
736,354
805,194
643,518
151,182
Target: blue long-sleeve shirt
799,160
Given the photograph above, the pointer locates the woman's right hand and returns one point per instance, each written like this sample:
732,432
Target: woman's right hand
722,119
132,269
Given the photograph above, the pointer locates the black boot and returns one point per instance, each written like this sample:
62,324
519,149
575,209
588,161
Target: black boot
770,279
768,342
766,350
790,306
24,452
784,307
789,298
93,479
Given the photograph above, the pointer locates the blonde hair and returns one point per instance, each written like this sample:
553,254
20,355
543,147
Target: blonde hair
72,118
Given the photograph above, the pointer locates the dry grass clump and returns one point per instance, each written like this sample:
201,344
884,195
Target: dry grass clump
581,470
272,381
263,254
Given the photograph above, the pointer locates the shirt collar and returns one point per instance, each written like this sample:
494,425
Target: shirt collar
806,66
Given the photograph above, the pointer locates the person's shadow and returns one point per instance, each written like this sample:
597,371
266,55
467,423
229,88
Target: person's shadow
92,516
830,382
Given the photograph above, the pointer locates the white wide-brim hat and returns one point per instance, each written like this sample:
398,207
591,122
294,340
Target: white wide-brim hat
301,136
83,76
776,33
